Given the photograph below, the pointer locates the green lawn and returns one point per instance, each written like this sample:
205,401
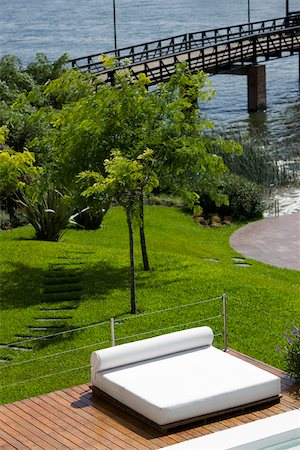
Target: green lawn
88,275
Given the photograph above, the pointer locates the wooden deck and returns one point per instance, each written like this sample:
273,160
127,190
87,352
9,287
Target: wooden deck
75,419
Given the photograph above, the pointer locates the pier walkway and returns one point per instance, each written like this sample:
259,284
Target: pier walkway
238,49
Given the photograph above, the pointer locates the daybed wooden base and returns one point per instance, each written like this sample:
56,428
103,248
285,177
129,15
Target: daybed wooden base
201,418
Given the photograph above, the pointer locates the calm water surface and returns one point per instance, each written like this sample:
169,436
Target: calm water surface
80,27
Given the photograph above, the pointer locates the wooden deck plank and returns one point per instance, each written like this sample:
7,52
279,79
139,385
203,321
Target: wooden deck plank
77,432
48,420
119,432
75,419
100,429
11,442
120,420
19,432
37,426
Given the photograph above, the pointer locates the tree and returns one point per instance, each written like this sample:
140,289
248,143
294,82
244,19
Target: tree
130,118
86,123
16,171
126,179
21,94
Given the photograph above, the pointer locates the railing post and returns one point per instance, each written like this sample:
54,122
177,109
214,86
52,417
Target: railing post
224,301
112,332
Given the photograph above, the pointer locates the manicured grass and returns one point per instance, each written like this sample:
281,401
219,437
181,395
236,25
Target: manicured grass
89,271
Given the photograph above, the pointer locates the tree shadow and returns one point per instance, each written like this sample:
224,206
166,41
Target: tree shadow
25,287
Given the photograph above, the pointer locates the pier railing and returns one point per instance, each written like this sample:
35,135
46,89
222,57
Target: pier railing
218,58
183,43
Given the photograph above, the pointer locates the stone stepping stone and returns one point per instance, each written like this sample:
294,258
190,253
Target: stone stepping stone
59,265
240,262
15,347
62,273
61,281
56,328
69,252
23,337
63,291
51,319
60,298
71,308
72,258
242,265
211,259
67,262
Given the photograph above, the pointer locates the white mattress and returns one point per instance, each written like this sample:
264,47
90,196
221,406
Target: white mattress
187,384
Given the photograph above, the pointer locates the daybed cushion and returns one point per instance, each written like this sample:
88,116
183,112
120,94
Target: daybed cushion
257,435
155,347
181,385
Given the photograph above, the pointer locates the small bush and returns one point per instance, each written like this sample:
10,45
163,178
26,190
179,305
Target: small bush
49,217
291,352
90,219
245,199
4,220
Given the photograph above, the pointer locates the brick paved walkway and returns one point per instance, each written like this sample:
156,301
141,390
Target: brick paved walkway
274,241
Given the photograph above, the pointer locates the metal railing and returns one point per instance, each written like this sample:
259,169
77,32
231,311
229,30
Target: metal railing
219,58
65,359
175,45
240,330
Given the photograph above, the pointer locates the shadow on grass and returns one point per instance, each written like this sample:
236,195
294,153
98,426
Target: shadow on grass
63,285
24,286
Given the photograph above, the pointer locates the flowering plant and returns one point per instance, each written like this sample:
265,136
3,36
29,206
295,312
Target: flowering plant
291,352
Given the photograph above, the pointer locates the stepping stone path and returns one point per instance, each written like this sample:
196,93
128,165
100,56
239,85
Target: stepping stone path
240,262
62,293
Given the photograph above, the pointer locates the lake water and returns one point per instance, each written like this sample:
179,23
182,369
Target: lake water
81,27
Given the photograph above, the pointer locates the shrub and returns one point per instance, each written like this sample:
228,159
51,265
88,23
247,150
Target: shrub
89,218
245,199
4,220
49,216
291,352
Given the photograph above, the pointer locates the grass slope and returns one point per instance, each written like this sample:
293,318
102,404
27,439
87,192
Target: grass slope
84,280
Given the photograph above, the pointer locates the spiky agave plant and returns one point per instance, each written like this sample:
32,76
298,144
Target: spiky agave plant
49,217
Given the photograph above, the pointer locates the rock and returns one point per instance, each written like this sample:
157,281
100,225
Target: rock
215,224
215,219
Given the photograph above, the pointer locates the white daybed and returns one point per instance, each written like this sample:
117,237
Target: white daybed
281,431
179,377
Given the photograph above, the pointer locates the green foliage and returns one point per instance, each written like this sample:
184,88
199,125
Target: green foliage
291,352
49,215
244,199
14,79
3,134
43,70
4,220
89,218
21,95
16,169
126,178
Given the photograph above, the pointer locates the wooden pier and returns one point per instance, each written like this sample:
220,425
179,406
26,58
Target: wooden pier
240,49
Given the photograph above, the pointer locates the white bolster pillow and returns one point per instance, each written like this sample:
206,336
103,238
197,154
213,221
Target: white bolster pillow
166,344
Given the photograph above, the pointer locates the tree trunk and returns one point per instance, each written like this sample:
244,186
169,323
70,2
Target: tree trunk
142,236
133,309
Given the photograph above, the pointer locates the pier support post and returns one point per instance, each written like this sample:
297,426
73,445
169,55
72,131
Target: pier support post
257,98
